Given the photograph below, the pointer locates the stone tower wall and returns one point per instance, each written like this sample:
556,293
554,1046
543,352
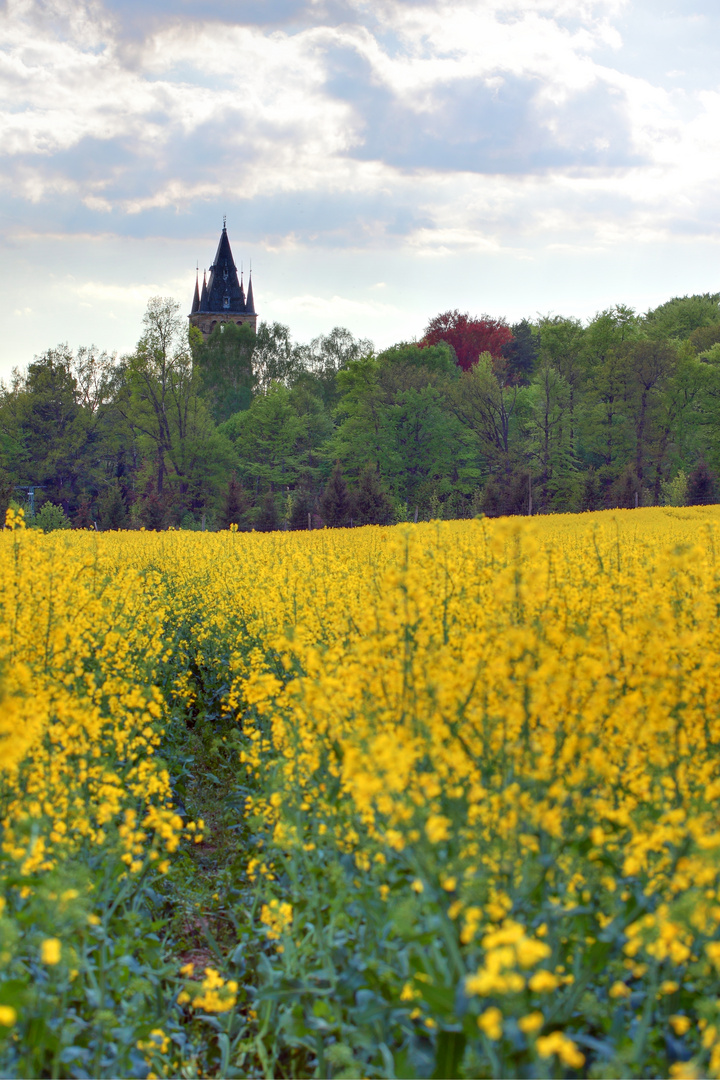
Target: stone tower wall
206,321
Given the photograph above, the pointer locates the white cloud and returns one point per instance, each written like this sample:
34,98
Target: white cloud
333,308
485,129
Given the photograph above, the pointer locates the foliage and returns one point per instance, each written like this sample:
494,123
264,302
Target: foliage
675,490
225,366
236,505
463,414
336,505
469,337
702,486
50,517
112,511
521,351
683,315
268,519
372,505
6,490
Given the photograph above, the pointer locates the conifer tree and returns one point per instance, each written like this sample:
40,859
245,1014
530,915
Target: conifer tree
236,504
82,518
701,486
372,504
111,509
626,492
303,505
268,520
336,504
6,492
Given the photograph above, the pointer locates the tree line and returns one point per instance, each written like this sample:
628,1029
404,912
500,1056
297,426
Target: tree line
478,416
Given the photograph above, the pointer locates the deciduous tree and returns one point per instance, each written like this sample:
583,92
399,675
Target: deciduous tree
470,337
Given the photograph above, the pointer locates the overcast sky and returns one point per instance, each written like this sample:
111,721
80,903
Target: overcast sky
378,161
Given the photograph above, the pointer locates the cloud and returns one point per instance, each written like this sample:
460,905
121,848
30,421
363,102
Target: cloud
428,127
337,308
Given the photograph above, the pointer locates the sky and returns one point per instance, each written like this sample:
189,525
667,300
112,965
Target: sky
378,162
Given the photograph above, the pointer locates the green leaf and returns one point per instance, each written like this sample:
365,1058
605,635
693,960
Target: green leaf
224,1044
450,1049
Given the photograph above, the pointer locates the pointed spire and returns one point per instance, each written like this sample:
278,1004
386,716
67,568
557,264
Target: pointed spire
196,297
224,293
250,302
204,295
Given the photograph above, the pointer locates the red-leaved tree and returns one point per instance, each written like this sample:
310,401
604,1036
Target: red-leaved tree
469,337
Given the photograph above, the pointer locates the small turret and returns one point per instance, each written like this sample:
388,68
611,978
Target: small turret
196,297
204,297
250,302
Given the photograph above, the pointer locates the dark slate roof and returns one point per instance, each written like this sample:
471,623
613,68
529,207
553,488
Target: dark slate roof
196,297
204,295
250,303
224,291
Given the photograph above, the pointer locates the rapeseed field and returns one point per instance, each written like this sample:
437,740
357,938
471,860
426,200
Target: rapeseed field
432,800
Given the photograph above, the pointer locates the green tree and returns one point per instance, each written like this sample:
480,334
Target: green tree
314,428
161,402
336,505
521,353
704,337
487,407
275,359
236,505
605,431
702,486
225,365
328,354
424,450
373,505
304,507
50,517
50,425
6,493
268,519
674,492
676,418
549,446
112,511
562,345
679,317
626,491
266,438
650,364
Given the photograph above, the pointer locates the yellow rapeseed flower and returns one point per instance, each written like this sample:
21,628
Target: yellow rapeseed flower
543,981
680,1024
491,1023
8,1015
51,951
531,1023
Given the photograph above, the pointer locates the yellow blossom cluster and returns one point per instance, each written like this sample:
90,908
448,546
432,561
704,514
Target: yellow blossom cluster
523,709
81,718
213,995
277,917
503,737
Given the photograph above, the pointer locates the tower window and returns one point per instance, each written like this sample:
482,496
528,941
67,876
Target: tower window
226,301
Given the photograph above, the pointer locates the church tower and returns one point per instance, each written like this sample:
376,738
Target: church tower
222,299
